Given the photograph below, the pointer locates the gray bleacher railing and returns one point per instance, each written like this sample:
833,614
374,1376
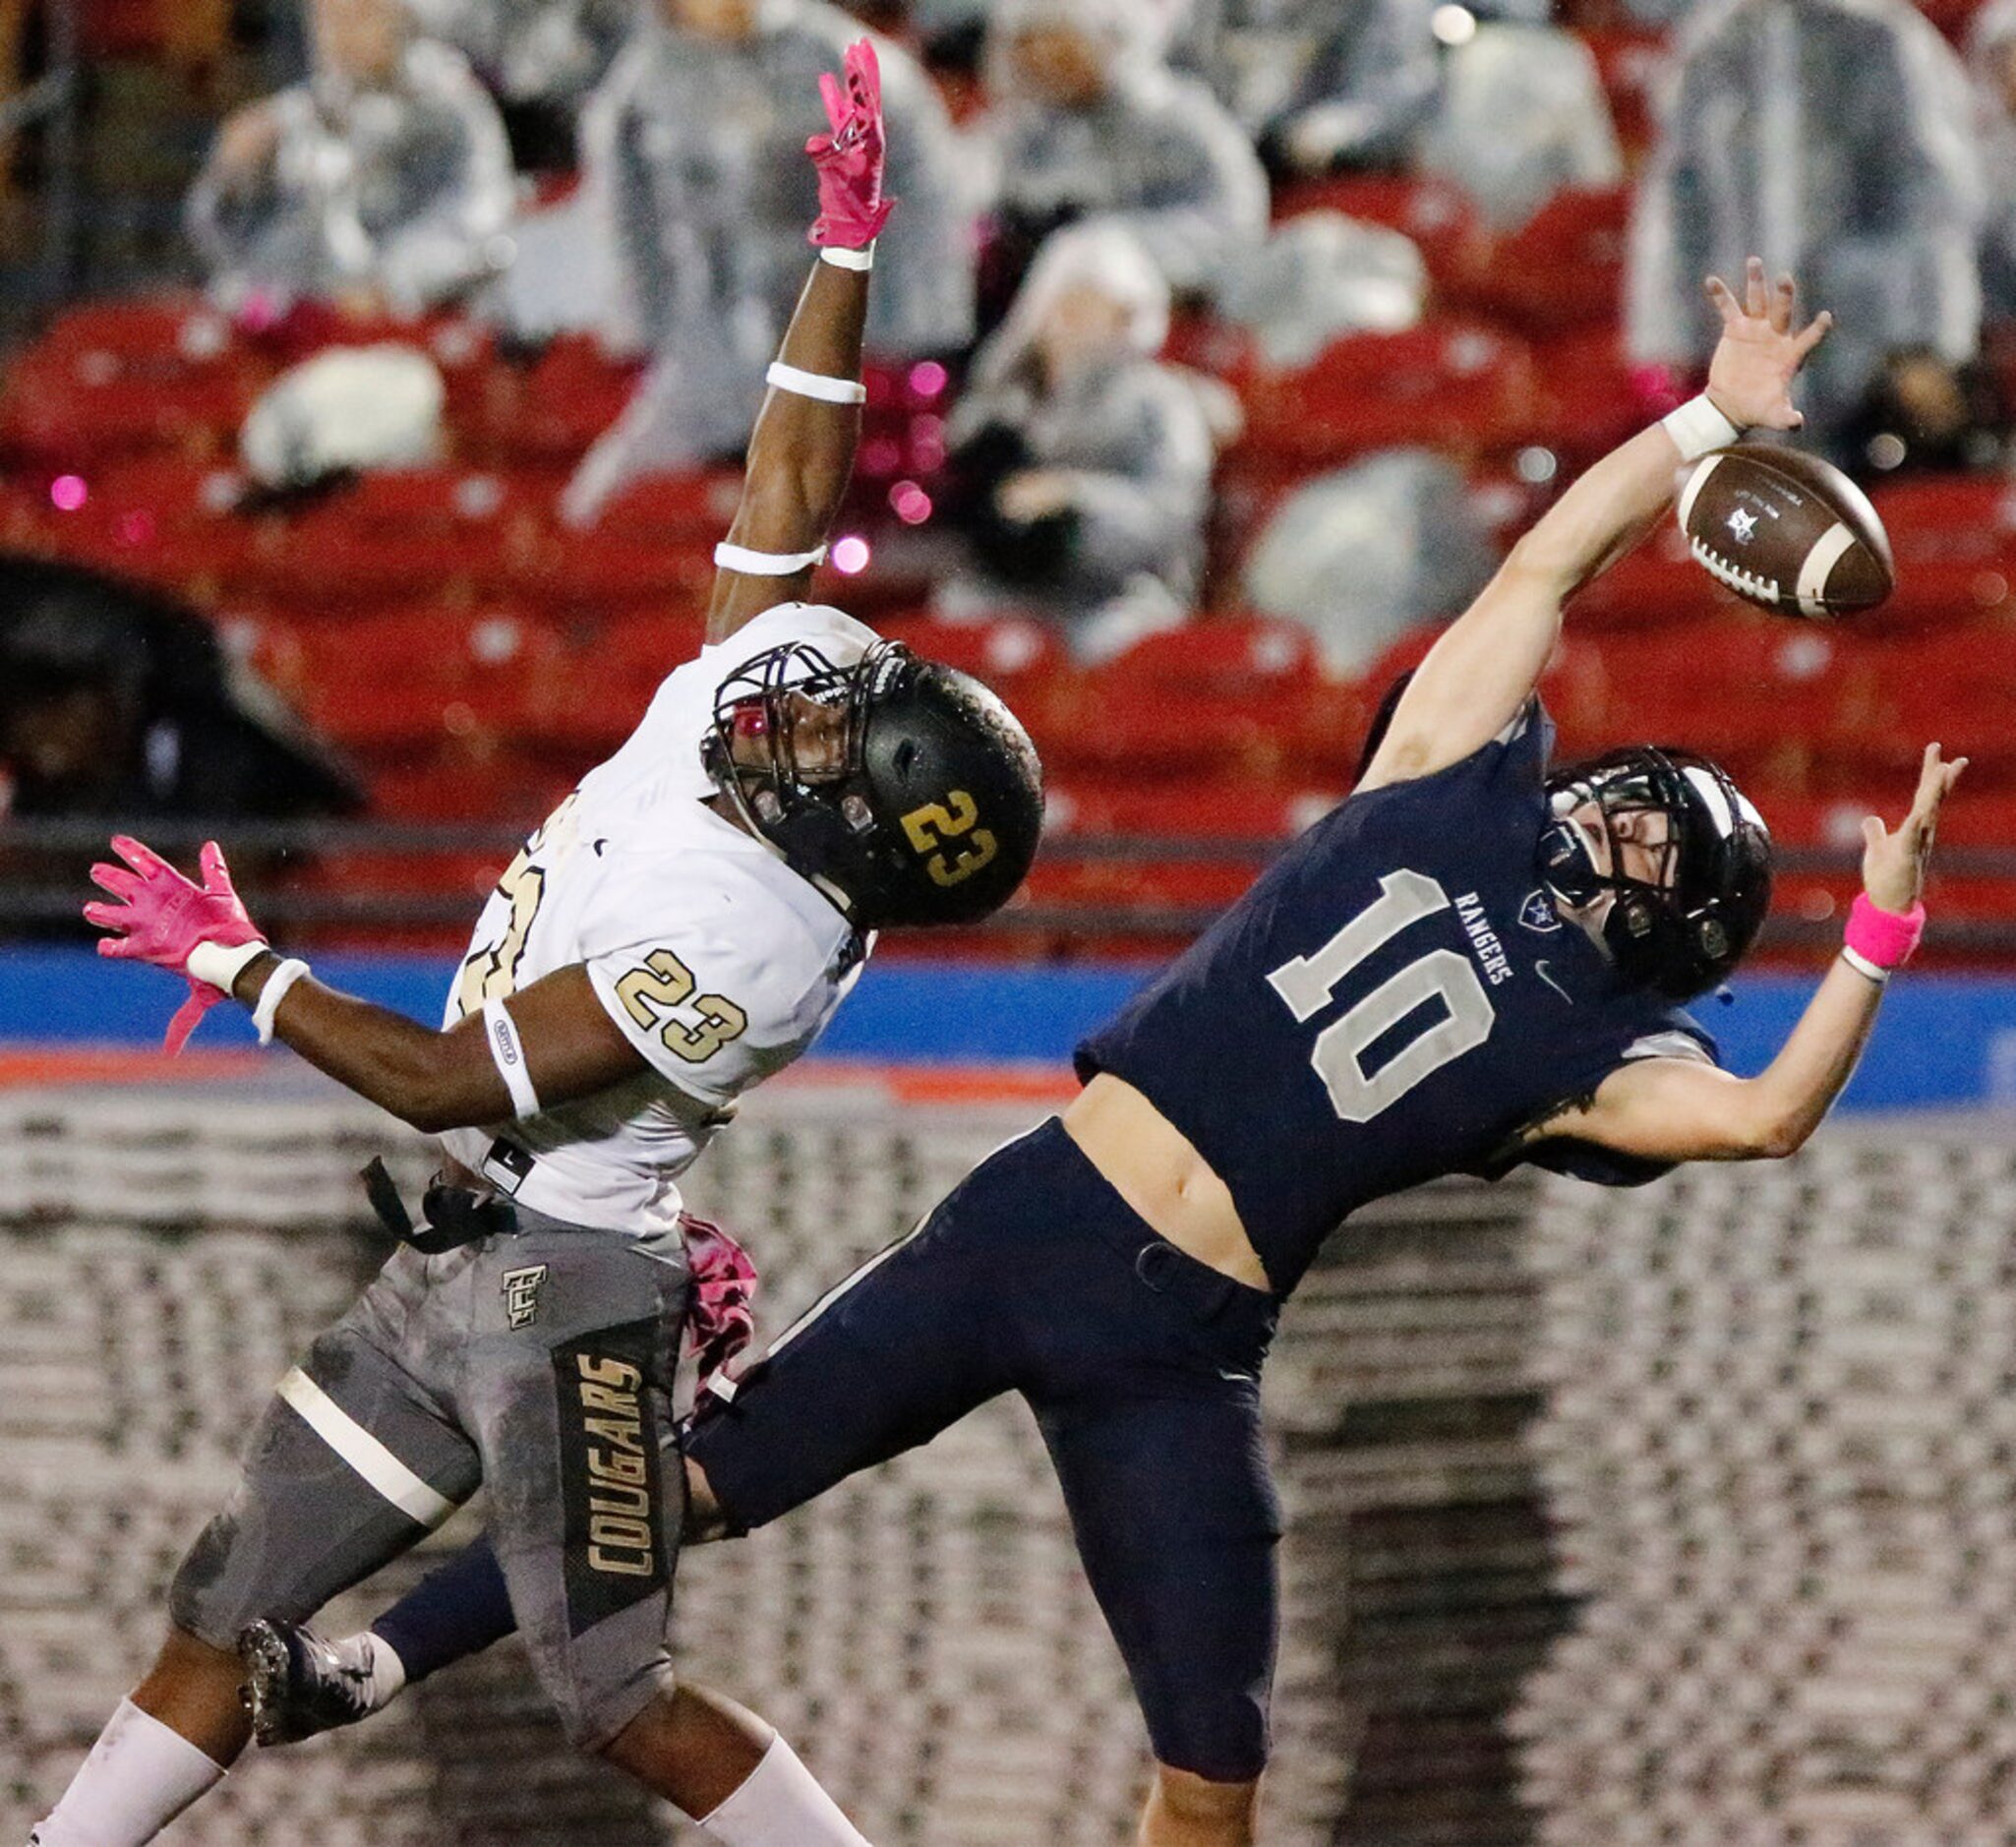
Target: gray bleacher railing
27,899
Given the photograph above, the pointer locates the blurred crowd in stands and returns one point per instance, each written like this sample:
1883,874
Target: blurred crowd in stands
1216,346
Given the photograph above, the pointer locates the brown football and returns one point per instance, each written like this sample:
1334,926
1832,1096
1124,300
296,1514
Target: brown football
1787,531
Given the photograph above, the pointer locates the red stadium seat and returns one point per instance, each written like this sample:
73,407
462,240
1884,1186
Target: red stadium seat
1632,62
331,562
689,505
1747,688
454,500
1234,693
458,785
1005,652
1953,684
112,378
577,574
1234,654
1249,491
416,677
1576,686
200,563
1209,345
65,413
615,669
160,330
550,413
1440,217
169,489
1563,268
1451,384
1954,539
1200,809
1590,399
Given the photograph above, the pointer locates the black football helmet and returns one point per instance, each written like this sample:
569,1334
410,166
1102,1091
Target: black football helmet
932,815
1685,931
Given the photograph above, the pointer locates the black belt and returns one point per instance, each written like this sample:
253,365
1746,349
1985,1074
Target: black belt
451,1215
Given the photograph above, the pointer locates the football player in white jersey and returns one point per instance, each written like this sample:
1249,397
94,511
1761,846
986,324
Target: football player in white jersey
681,926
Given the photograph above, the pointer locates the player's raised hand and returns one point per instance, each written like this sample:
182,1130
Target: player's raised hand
1761,349
1894,861
160,917
849,156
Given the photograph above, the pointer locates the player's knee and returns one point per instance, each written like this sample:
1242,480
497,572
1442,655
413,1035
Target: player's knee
610,1701
200,1604
1216,1735
1201,1808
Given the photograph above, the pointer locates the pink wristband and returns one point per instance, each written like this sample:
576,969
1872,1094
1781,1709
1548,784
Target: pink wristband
1881,937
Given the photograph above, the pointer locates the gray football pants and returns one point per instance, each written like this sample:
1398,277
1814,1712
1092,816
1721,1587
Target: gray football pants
538,1362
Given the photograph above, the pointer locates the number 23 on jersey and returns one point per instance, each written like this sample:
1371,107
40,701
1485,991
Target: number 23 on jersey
660,996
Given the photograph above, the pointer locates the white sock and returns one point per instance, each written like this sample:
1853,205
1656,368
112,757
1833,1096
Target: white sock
139,1777
781,1805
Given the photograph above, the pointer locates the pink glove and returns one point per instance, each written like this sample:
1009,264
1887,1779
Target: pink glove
162,918
852,209
719,1319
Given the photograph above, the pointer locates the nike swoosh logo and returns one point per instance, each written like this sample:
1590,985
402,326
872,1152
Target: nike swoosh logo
1540,969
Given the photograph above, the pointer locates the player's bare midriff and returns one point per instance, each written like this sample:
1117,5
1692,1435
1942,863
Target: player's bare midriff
1149,1162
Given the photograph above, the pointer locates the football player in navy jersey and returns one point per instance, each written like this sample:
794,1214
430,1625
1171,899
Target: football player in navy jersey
1472,961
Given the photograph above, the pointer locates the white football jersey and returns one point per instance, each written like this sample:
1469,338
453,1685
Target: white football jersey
718,962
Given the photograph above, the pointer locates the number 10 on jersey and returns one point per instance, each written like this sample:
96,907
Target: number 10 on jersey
1307,985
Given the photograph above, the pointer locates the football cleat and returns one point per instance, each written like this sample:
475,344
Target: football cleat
297,1683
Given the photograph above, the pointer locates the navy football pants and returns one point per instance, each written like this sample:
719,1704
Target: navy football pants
1143,1368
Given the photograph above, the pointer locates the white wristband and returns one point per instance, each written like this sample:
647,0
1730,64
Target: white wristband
856,260
1697,429
1863,966
766,563
507,1054
827,390
219,965
272,993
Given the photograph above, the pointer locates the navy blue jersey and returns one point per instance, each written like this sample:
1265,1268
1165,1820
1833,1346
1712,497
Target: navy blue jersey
1394,1001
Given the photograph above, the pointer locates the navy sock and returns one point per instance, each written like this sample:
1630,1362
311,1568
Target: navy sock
457,1609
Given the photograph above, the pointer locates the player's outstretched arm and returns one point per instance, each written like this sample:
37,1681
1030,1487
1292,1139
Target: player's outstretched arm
557,1030
801,452
1485,666
1678,1109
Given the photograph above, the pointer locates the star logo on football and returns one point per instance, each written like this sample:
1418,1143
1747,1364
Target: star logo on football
1742,525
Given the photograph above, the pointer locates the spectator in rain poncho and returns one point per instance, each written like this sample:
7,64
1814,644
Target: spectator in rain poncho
1081,466
1991,62
1319,277
1834,138
384,180
1319,83
700,194
531,50
1362,556
1086,121
1523,115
